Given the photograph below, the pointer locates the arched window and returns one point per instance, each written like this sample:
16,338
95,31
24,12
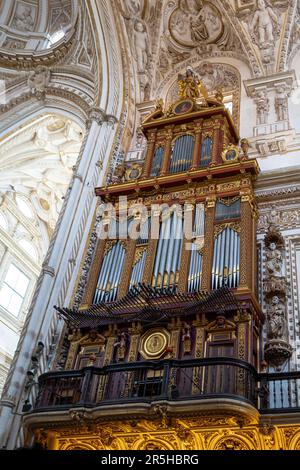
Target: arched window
157,161
206,152
182,155
13,290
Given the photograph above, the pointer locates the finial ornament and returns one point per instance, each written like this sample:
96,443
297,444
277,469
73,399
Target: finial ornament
189,86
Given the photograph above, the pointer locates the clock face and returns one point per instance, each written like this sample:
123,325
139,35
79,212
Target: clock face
183,107
154,343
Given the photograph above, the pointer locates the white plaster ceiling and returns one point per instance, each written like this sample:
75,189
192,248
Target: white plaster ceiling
36,161
32,24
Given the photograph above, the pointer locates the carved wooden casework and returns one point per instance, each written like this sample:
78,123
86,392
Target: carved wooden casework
201,304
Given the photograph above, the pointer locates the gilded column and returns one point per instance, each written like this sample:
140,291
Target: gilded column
247,241
184,266
197,147
150,258
167,153
94,273
208,248
52,441
126,274
218,142
149,155
199,354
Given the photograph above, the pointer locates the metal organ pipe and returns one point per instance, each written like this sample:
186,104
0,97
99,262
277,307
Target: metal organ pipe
164,242
110,274
176,256
168,254
170,247
230,276
138,270
182,154
226,258
99,287
113,272
238,259
157,161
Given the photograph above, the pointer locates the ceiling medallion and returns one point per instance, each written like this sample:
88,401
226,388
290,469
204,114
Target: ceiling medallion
194,22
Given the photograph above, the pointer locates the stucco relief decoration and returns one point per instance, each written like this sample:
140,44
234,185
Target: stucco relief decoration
24,17
195,21
38,80
140,19
263,22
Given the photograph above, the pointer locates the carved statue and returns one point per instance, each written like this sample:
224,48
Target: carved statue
276,318
264,25
186,337
39,79
198,28
141,45
190,86
281,104
245,146
119,173
121,345
274,260
263,106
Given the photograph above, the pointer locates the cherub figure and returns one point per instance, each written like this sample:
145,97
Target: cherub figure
141,45
266,22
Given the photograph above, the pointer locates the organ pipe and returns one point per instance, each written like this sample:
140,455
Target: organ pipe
206,151
157,161
195,271
138,270
110,274
182,155
226,259
168,255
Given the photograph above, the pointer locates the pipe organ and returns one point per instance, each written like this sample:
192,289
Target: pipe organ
177,301
168,254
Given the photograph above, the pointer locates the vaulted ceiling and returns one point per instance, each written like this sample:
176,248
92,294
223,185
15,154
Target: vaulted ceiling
35,24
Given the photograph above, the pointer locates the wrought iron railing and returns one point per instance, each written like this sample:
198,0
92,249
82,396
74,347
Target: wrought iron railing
171,380
148,381
280,392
